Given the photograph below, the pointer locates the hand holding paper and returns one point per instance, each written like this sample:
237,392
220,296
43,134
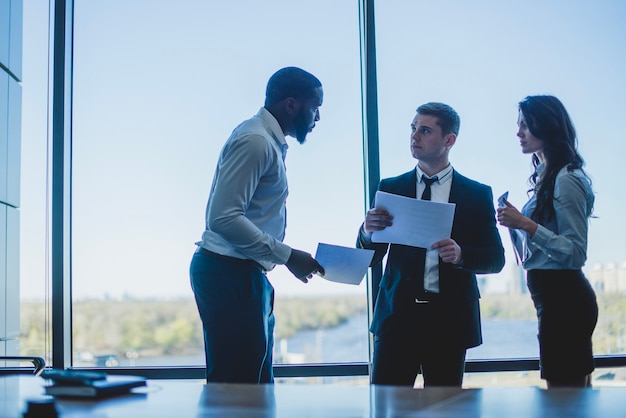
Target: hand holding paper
502,200
517,239
343,264
302,265
416,222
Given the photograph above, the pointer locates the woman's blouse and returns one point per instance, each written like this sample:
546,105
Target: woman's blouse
561,242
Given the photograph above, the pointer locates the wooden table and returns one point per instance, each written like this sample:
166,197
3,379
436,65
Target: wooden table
192,398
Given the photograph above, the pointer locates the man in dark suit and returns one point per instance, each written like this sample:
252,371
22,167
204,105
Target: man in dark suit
427,312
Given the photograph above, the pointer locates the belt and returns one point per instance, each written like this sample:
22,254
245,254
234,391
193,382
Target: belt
427,297
204,251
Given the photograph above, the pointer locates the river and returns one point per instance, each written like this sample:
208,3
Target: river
346,343
349,343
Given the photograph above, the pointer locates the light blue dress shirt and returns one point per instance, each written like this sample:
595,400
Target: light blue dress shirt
561,242
246,211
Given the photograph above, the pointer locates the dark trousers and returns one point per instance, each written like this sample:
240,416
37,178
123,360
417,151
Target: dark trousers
235,301
400,355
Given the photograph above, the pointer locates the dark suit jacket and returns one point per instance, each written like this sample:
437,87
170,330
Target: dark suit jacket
455,319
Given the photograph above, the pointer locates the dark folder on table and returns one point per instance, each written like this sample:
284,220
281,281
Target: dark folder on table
111,386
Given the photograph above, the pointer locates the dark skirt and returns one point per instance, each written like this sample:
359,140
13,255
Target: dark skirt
567,312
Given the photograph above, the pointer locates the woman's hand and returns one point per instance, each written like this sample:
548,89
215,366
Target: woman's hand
510,217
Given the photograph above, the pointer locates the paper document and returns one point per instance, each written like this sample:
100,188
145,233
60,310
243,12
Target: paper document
517,239
502,198
343,264
416,222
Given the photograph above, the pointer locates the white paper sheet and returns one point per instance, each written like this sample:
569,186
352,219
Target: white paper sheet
517,239
416,222
343,264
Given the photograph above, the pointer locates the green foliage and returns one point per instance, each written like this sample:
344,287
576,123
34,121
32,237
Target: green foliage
507,307
296,314
609,336
165,327
162,327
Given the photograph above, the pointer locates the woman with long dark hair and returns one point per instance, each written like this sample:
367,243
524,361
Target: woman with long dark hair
553,225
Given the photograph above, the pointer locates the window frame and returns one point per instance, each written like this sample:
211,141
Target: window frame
61,178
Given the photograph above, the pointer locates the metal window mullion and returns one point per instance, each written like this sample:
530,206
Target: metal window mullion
61,178
369,117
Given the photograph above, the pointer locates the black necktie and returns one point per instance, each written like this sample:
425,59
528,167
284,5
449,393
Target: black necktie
421,258
427,182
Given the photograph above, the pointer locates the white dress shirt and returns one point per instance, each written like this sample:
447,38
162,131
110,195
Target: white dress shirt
440,192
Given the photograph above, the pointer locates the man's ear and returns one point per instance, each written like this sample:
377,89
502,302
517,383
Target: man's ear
450,140
292,106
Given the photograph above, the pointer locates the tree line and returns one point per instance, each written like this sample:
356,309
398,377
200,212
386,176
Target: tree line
172,327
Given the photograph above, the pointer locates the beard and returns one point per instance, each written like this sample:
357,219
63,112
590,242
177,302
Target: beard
302,128
301,135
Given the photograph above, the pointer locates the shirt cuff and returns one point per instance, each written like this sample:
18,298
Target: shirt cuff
459,265
363,237
282,252
540,238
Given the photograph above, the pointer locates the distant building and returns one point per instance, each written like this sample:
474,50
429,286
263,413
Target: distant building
609,277
510,281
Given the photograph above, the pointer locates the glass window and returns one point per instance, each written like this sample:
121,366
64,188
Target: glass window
483,58
158,87
600,378
34,315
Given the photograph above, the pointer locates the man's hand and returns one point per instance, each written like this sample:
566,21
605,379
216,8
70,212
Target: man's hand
449,251
376,220
303,266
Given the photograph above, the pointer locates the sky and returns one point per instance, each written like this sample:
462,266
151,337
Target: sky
158,89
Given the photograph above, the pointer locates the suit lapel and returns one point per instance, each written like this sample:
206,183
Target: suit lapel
408,187
457,188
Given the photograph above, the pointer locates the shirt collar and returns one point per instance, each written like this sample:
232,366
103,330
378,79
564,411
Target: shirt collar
540,168
442,176
274,128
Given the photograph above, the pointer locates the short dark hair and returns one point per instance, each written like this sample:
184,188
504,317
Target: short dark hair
447,118
290,82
